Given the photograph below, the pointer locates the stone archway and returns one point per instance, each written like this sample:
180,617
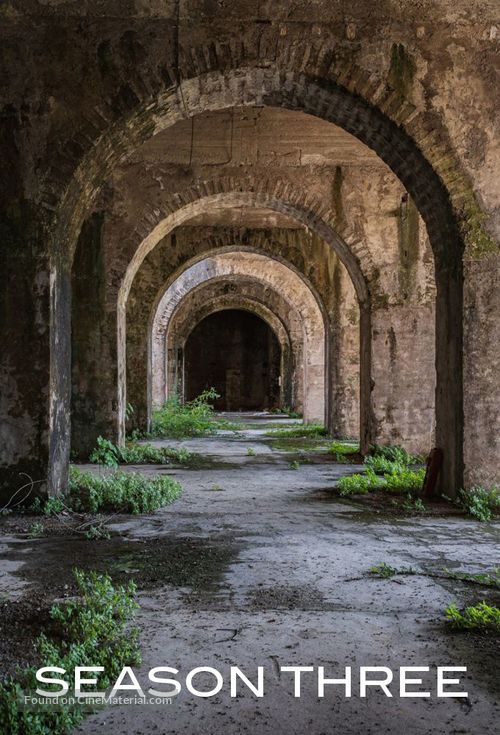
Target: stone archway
241,360
326,99
275,276
187,314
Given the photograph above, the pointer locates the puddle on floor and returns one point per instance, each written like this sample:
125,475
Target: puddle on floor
182,561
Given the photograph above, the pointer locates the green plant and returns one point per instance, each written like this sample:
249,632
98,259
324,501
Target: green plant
217,487
125,492
294,465
109,454
250,452
485,579
413,505
93,630
36,529
480,502
395,453
303,430
97,532
106,453
343,449
54,505
481,617
359,484
385,570
402,480
195,418
381,465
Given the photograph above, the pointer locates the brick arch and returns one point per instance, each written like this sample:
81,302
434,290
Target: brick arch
227,192
138,343
218,243
309,76
412,144
182,323
231,266
186,315
275,193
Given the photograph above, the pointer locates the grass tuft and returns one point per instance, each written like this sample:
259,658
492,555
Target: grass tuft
109,454
385,570
92,630
304,430
480,503
196,418
121,492
389,469
482,617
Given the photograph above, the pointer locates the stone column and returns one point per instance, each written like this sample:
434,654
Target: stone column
482,371
94,393
25,354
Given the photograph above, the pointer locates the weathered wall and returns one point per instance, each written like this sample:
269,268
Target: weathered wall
238,267
93,401
482,369
73,69
378,210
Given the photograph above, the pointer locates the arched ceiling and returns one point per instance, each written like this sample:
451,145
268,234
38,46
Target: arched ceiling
247,137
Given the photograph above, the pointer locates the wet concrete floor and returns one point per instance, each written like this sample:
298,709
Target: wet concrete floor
259,565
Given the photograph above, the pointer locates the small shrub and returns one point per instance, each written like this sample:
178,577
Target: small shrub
93,631
357,484
401,481
97,532
413,505
479,502
481,617
195,418
125,492
250,452
106,453
404,480
109,454
53,506
122,492
36,529
395,453
381,465
294,465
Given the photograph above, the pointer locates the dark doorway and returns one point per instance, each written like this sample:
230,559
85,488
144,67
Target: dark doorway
238,354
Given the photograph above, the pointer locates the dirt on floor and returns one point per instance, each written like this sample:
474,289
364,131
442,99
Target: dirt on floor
261,563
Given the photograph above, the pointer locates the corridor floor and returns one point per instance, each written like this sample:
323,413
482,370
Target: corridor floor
259,563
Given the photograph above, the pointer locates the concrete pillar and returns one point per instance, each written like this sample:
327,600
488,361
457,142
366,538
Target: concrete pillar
93,400
24,353
34,358
404,376
482,371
